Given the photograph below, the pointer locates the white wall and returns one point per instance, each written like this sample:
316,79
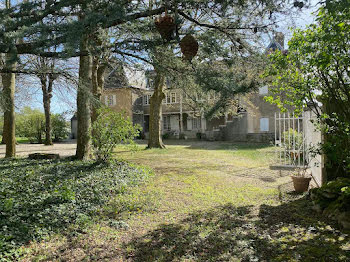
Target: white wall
312,138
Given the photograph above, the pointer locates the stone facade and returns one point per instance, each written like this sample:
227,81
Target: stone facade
128,90
181,119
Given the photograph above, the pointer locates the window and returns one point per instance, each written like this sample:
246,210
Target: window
146,99
196,123
166,123
149,83
264,124
173,98
264,90
168,99
110,100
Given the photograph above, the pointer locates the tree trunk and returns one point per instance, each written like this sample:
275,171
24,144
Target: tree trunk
98,71
83,151
3,142
46,86
9,84
155,138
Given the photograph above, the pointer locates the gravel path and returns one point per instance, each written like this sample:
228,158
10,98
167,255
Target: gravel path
66,148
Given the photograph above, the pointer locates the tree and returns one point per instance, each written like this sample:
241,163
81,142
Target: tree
315,73
31,124
83,102
55,24
155,138
9,85
59,127
47,81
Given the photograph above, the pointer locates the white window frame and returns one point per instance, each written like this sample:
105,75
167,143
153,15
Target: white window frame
146,99
168,99
173,98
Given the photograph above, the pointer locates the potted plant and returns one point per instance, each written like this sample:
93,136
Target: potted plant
301,179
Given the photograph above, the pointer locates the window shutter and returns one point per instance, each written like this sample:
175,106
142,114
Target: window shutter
106,100
264,124
114,100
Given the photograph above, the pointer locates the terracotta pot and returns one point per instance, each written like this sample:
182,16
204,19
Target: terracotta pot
301,184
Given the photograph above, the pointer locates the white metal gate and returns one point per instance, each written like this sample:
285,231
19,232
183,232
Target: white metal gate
290,142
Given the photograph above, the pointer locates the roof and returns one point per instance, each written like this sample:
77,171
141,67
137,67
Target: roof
74,117
119,76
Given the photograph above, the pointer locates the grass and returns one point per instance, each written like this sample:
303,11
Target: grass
20,140
208,201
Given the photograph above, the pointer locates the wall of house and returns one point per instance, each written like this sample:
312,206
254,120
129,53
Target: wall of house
258,108
215,123
122,100
74,128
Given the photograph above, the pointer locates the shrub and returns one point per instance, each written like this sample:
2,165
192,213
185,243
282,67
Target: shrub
166,136
110,129
30,123
59,127
315,72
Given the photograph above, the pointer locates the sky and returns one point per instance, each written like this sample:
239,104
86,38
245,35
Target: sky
63,100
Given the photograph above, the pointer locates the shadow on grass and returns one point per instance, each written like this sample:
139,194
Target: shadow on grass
211,145
286,232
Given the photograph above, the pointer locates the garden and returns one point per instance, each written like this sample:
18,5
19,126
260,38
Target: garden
111,197
195,201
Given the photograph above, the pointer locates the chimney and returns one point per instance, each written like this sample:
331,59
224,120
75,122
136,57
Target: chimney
279,37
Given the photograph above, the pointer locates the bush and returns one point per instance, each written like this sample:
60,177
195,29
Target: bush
59,127
333,199
166,136
110,129
38,198
30,123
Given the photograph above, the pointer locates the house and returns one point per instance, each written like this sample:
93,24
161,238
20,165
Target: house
130,91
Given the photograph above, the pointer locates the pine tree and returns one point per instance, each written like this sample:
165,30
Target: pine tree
222,28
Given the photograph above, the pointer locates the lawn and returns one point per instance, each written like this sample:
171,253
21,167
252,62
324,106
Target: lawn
207,201
20,140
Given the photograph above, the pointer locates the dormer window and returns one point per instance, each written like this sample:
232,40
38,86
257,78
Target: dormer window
146,99
149,83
